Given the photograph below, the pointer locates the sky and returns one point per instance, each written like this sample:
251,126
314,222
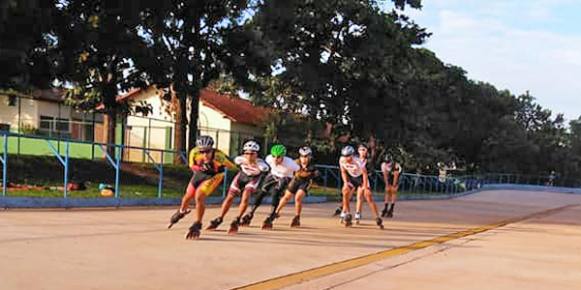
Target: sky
518,45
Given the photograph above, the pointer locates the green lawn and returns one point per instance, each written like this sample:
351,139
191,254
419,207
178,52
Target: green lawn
127,191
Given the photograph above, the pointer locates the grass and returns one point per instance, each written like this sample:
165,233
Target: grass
136,180
127,191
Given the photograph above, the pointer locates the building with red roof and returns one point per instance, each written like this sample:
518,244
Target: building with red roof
229,119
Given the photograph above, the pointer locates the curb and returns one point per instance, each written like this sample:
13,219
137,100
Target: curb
59,202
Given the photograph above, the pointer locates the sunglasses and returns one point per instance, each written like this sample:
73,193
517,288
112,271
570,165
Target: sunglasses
205,151
249,153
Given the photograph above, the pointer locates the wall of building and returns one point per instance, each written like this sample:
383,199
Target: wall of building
159,107
52,109
215,124
155,130
242,132
9,114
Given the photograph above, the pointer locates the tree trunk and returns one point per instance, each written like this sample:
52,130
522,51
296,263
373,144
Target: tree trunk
193,125
181,121
109,122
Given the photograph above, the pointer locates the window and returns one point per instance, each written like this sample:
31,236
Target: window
62,125
52,125
46,123
12,101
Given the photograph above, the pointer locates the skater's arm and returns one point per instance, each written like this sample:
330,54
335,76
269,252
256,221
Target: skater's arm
263,166
365,178
314,172
396,176
238,160
192,160
344,176
292,165
227,163
385,175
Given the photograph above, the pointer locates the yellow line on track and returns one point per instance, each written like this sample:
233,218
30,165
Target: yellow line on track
311,274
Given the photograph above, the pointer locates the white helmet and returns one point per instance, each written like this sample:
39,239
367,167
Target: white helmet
347,150
305,151
251,146
205,141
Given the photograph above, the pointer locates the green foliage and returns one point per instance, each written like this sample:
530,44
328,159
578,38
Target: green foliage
332,71
95,44
191,43
28,129
23,24
357,69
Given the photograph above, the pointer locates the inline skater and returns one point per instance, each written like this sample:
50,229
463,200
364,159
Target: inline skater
355,178
274,184
245,183
391,170
298,187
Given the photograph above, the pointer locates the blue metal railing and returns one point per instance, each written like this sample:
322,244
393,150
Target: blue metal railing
431,184
331,177
4,164
63,158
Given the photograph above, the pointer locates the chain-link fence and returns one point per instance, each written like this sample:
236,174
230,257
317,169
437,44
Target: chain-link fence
48,117
431,184
64,163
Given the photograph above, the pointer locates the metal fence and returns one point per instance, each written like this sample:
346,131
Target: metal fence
66,150
430,184
116,156
47,116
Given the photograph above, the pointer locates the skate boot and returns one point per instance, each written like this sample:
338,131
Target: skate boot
384,212
194,231
234,226
348,220
357,218
379,222
177,216
246,219
267,224
296,222
214,223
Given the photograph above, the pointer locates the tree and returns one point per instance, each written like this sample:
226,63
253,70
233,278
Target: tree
94,44
23,24
342,58
193,43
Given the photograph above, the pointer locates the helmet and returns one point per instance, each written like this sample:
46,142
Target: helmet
278,150
347,150
305,151
251,146
205,141
388,157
